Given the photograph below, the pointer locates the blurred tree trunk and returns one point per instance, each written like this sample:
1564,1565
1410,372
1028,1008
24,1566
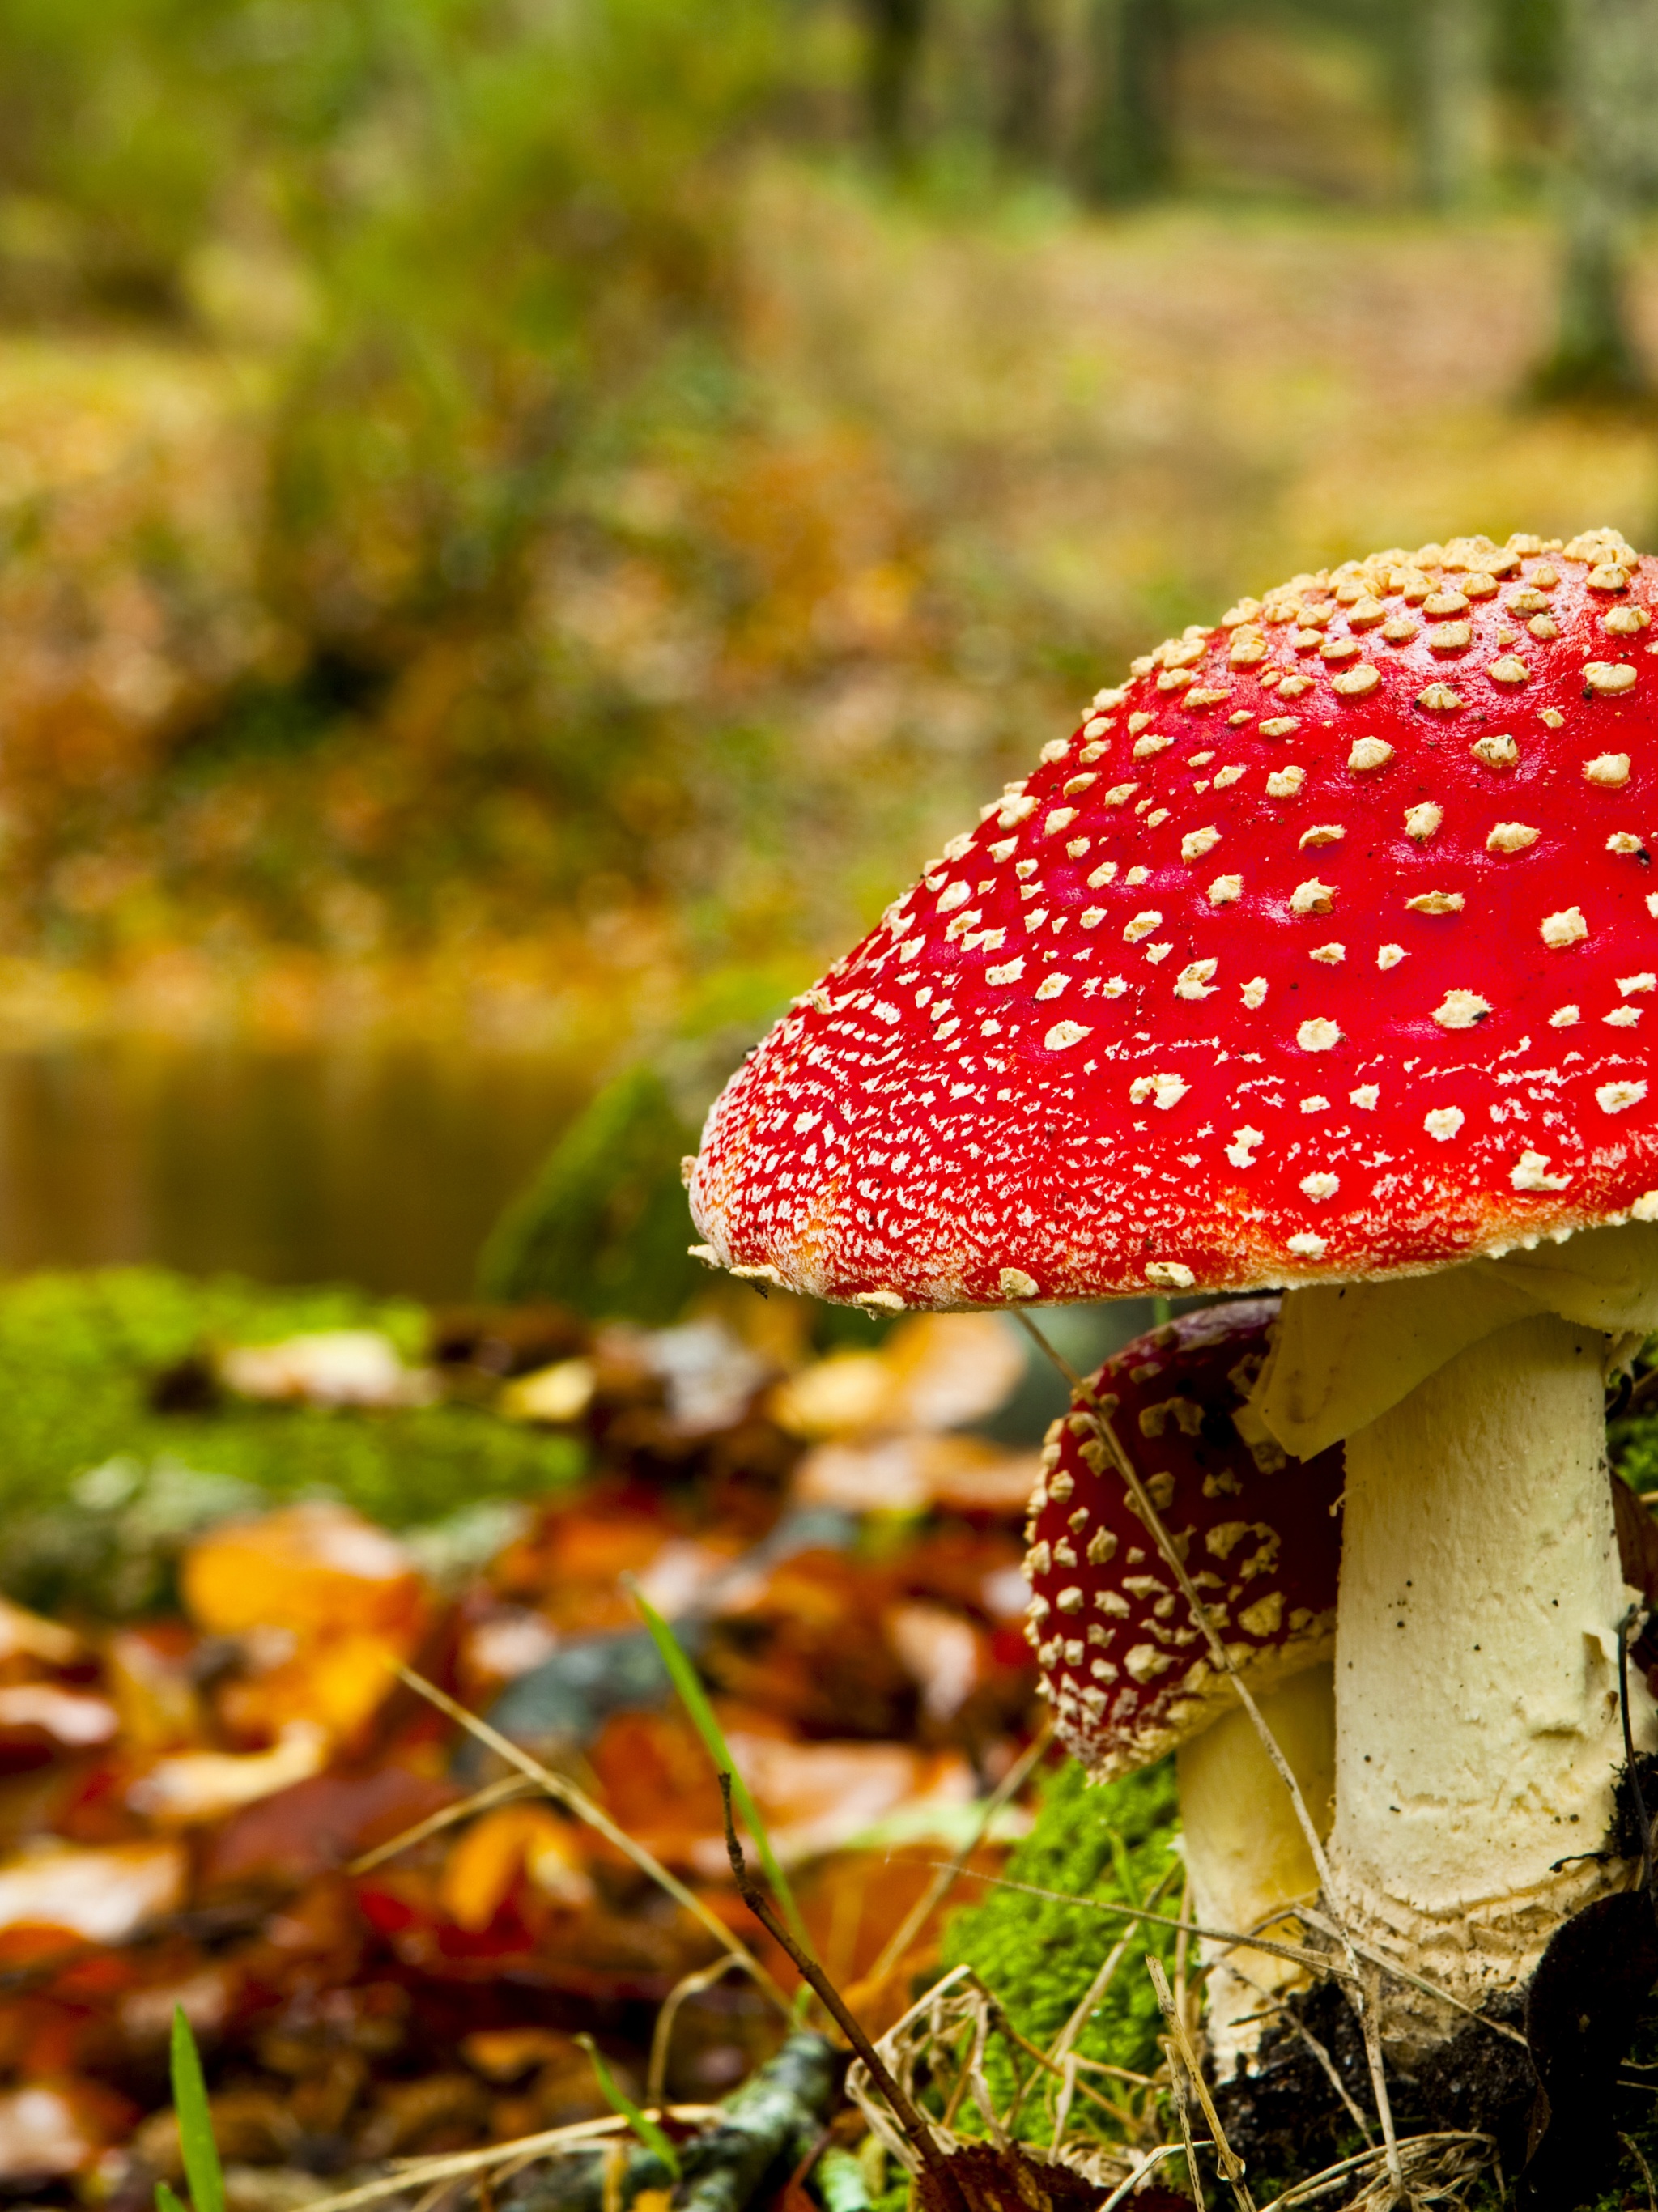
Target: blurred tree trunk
1612,78
1127,151
1454,100
1029,61
895,35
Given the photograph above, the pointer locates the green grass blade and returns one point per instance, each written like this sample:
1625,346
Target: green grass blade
685,1681
201,2154
165,2199
646,2129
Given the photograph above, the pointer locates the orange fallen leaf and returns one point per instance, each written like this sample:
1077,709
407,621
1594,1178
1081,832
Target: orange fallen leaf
314,1568
491,1858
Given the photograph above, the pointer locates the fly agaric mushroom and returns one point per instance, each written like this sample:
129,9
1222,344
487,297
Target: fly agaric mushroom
1129,1676
1317,956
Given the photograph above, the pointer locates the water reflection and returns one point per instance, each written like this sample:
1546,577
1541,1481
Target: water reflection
382,1165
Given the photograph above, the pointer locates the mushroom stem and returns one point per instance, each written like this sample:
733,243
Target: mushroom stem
1478,1732
1245,1849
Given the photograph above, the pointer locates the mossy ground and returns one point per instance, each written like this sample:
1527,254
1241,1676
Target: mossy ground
94,1481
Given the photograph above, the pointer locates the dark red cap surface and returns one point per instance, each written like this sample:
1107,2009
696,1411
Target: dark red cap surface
1125,1665
1323,949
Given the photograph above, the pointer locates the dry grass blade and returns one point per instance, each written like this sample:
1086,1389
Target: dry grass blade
424,2172
1231,2165
1222,1659
568,1794
1634,2150
946,1876
481,1800
1154,2158
1183,2120
1319,1962
690,1985
1387,1966
1437,2166
1093,1995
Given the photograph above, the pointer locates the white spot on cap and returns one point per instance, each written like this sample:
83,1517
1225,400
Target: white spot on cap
1461,1010
1436,903
1421,822
1444,1122
1242,1149
1225,891
1010,972
1530,1172
1312,897
1645,1207
1254,991
1012,811
1285,782
1618,1098
1331,955
1092,917
1495,751
1610,676
1006,849
1321,833
1624,841
1168,1275
1059,818
1051,986
1628,985
1307,1246
1193,982
1389,956
1369,753
1510,668
1315,1105
1014,1283
887,1301
1365,1097
1354,682
1439,699
1064,1035
1318,1034
1164,1091
1321,1185
1279,725
1565,1017
1070,1600
1119,794
1141,926
1197,842
1566,927
1607,769
1511,837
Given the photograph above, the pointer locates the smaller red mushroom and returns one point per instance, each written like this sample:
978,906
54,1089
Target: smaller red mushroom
1127,1668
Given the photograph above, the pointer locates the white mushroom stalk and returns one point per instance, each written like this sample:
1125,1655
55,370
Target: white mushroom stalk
1478,1730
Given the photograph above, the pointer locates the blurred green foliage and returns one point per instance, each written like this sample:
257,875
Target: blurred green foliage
100,1487
1039,1955
604,1227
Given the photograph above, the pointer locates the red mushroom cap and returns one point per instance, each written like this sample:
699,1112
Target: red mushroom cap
1321,950
1127,1668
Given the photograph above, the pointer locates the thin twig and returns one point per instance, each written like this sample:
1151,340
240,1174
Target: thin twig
1231,2164
1634,2150
481,1800
569,1793
1222,1659
945,1878
915,2127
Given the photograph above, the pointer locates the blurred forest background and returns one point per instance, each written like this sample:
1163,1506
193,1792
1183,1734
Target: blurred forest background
522,521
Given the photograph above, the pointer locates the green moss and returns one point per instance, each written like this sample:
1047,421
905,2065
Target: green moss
95,1486
1039,1956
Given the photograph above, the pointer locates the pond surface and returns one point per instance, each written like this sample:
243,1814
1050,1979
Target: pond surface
384,1166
